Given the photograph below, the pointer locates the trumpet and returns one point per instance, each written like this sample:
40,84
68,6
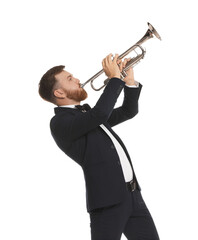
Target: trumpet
151,32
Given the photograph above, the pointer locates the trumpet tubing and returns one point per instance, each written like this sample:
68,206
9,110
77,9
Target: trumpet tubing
149,34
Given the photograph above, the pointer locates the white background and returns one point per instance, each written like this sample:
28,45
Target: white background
42,190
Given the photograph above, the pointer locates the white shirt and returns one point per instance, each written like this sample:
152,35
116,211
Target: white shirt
126,167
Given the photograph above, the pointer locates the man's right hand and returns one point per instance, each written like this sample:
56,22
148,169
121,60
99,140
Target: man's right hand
111,67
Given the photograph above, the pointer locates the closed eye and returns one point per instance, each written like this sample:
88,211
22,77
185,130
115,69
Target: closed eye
69,77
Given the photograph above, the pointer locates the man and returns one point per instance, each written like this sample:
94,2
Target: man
85,134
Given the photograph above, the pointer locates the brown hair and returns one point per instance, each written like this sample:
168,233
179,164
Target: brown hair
47,83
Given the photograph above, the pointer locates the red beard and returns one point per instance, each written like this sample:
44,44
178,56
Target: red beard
77,95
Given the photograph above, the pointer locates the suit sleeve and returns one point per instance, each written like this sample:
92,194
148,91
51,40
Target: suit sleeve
129,107
72,127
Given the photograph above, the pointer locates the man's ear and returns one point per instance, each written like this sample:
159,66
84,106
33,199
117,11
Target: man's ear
59,93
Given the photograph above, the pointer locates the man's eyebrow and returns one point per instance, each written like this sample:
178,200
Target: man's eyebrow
69,76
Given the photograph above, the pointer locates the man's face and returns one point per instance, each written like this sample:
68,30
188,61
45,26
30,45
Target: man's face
71,86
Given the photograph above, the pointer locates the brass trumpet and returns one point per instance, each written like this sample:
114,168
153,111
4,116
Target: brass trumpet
149,34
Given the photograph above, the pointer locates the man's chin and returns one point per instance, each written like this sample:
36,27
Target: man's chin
84,94
84,97
78,95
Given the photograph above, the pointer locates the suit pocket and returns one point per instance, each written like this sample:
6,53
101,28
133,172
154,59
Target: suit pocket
106,208
96,211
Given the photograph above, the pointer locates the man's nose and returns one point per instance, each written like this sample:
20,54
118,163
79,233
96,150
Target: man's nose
77,80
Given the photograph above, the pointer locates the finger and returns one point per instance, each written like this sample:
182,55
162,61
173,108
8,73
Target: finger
106,60
116,57
125,62
109,57
106,57
119,61
121,66
103,63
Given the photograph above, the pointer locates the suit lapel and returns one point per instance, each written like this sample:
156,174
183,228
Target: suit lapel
122,144
119,140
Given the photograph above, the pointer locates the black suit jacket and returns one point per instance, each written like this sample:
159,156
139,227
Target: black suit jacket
79,136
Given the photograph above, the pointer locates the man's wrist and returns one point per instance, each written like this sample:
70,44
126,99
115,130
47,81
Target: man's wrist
115,76
131,82
133,85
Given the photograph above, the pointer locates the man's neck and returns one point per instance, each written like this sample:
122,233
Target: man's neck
68,103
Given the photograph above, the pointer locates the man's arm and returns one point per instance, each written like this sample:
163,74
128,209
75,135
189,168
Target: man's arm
71,127
129,106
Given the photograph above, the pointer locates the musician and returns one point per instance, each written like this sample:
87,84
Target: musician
113,195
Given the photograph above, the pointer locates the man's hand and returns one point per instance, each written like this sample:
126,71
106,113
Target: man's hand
111,67
129,79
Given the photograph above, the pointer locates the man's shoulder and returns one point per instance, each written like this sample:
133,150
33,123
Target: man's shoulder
63,115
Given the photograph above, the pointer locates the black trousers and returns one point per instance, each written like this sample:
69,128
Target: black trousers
130,217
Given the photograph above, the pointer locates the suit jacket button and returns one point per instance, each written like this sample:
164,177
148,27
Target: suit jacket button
112,146
118,162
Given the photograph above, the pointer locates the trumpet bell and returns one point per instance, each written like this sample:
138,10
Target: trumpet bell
153,30
149,34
